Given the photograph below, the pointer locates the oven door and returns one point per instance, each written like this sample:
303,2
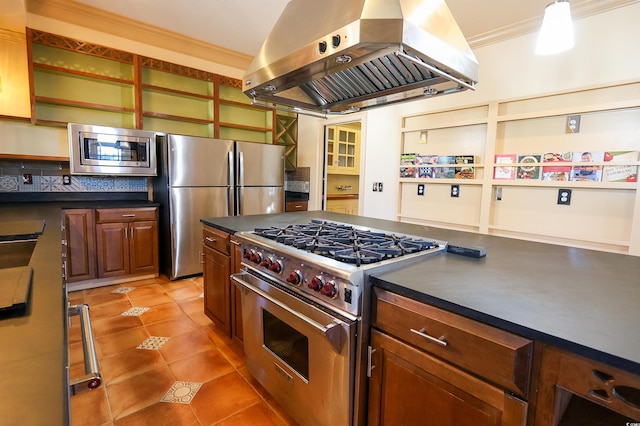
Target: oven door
301,354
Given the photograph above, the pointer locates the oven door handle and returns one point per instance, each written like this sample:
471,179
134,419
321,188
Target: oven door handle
332,331
92,378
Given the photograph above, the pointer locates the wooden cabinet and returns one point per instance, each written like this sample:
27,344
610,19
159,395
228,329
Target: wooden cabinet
296,206
236,296
127,241
222,302
78,245
431,364
574,390
104,246
346,205
343,150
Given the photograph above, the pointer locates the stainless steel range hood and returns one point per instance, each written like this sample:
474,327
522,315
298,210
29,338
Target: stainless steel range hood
339,56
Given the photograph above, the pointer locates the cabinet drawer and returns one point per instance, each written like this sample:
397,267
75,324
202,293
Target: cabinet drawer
217,240
594,381
296,206
498,356
126,214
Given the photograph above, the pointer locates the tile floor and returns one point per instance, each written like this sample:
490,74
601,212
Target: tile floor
163,362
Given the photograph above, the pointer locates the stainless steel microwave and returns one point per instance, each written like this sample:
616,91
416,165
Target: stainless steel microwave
101,150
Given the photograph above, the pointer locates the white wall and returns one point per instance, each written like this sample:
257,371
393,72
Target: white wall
606,52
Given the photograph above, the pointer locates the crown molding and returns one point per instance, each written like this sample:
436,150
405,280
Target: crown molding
580,10
12,36
80,14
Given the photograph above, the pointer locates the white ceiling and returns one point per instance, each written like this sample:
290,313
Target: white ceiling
242,25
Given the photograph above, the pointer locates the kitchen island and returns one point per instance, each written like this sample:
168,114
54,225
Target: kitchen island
583,301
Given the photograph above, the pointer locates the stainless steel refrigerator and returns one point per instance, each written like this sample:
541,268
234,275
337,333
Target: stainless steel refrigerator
204,177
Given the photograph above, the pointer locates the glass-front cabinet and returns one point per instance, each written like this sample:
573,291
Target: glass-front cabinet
343,150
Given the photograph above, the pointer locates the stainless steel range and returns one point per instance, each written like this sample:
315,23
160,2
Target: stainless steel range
306,300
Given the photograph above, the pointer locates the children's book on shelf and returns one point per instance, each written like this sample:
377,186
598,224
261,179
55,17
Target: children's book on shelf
529,167
620,172
425,165
502,171
588,172
465,168
553,169
446,172
408,167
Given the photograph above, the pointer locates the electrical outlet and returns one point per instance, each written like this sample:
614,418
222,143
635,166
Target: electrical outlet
499,193
375,186
564,197
66,179
421,189
455,191
27,178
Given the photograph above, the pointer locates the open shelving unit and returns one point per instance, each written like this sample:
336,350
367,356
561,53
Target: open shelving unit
76,81
601,215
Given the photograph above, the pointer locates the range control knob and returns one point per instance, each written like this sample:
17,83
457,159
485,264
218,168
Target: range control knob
329,289
295,277
267,262
248,254
276,266
256,257
316,283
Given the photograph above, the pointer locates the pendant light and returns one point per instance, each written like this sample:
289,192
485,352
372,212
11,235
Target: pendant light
556,33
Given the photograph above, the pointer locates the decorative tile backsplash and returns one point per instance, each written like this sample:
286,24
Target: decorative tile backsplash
298,180
19,176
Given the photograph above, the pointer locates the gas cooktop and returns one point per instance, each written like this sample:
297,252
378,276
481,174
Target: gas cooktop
347,243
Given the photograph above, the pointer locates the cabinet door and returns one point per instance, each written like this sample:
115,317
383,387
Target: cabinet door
343,150
79,247
143,246
113,249
408,386
236,296
217,268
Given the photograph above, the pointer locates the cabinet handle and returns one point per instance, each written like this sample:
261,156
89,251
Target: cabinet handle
235,242
211,240
129,215
64,270
441,340
370,365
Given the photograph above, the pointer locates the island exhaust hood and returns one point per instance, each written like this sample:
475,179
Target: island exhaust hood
341,56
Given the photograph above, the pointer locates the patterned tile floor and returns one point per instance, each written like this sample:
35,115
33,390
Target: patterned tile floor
163,362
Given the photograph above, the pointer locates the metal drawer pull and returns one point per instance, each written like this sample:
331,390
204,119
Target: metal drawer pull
211,240
92,378
129,215
441,340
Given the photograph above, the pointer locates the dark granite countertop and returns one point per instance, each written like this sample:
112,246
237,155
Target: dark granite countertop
584,301
33,350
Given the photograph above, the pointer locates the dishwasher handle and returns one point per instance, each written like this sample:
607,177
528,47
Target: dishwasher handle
92,378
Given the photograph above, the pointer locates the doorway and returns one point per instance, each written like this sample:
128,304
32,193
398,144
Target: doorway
342,167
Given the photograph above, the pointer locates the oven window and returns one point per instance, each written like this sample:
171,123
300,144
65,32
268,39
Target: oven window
287,343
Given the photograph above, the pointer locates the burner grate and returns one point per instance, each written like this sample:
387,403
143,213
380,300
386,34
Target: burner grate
345,243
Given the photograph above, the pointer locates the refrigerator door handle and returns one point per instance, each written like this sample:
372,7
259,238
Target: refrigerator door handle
230,179
240,185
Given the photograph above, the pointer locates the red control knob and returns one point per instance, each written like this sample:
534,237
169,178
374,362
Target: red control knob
276,267
256,257
316,283
294,278
267,262
329,289
247,254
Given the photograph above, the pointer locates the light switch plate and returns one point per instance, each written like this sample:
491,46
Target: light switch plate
455,191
